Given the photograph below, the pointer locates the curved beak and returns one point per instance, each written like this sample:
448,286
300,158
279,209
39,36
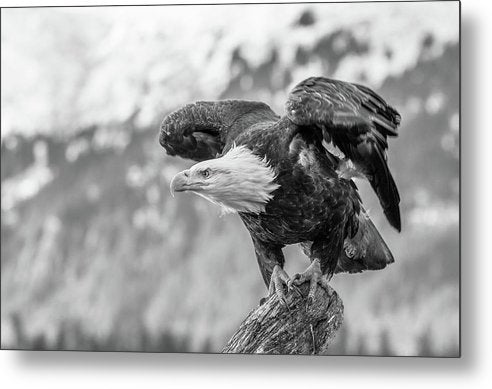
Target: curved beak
180,182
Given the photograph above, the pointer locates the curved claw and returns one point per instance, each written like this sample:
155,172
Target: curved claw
292,285
314,275
295,288
276,285
278,279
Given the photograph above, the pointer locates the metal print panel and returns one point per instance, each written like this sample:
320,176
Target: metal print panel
264,178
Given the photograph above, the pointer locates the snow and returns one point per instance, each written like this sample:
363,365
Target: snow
64,69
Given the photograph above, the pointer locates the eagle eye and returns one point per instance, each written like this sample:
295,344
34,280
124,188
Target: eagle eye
206,173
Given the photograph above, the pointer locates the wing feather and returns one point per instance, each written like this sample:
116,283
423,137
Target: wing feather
202,130
357,121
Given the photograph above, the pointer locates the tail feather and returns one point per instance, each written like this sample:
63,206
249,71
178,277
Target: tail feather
389,198
384,185
372,162
365,251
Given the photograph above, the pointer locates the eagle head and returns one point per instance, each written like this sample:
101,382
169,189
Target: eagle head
239,181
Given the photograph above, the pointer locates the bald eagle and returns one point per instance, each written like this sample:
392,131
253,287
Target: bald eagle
290,178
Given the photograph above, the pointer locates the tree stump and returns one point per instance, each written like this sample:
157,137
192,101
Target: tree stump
298,328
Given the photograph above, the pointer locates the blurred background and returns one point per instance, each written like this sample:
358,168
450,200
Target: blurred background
96,254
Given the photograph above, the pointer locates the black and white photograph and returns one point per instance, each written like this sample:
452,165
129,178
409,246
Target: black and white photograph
232,179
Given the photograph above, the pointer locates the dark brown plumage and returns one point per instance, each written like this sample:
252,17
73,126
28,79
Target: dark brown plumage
314,203
356,120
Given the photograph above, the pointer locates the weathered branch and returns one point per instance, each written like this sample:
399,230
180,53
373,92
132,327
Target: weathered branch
272,328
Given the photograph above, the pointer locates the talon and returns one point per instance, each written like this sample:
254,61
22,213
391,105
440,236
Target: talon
299,279
315,276
294,288
291,286
278,280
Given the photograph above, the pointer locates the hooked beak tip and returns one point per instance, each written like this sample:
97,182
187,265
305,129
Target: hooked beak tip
178,183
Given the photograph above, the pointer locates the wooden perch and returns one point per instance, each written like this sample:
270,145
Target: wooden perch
273,328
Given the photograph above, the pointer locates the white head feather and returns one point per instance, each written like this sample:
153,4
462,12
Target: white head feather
239,181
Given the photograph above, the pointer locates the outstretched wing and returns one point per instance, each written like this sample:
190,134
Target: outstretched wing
201,130
358,122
